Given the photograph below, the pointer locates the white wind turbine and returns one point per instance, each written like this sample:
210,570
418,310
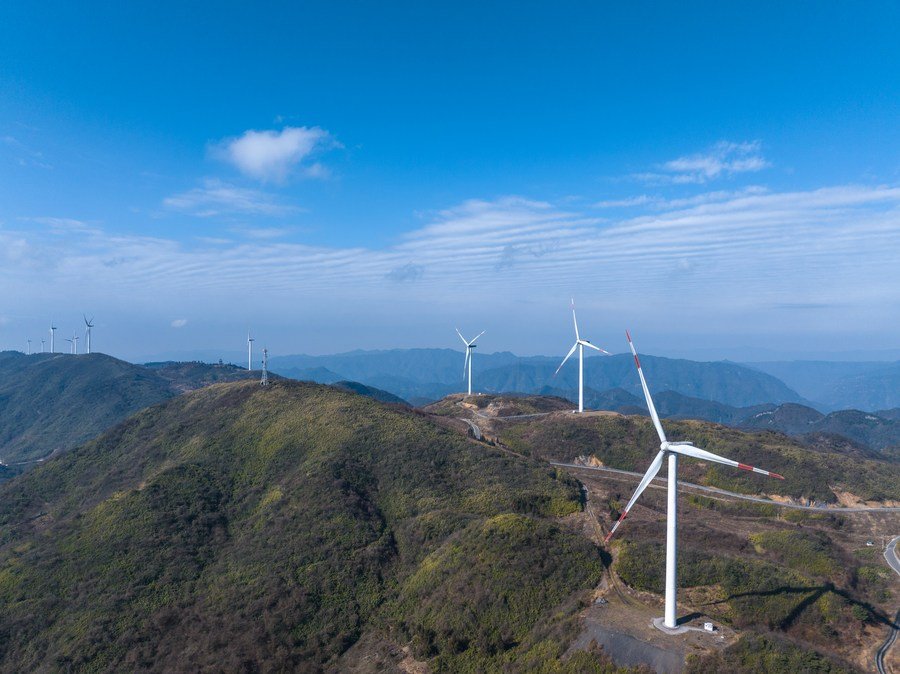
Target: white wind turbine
671,450
579,344
52,338
29,347
250,341
87,331
467,363
43,341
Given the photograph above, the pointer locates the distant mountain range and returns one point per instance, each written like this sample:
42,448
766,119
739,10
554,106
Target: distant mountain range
834,385
425,375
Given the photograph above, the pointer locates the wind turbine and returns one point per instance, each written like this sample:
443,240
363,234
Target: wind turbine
467,363
579,344
71,345
75,342
29,347
43,341
87,331
250,341
52,338
671,450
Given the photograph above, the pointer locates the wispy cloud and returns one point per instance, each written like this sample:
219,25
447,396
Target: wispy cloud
216,198
179,322
742,254
23,154
261,232
723,159
272,155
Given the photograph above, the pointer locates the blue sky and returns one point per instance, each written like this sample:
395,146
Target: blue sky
723,178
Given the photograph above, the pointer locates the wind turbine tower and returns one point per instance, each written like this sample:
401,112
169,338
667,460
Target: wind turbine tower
579,344
52,338
671,451
75,342
43,341
87,331
28,353
250,341
265,367
467,363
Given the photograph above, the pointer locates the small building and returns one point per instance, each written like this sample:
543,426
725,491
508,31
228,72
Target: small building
709,627
869,544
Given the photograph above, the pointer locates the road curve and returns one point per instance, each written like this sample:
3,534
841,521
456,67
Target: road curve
886,646
732,494
890,555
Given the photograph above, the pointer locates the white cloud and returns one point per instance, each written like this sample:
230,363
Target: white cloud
261,232
721,253
179,322
218,198
271,155
627,202
722,160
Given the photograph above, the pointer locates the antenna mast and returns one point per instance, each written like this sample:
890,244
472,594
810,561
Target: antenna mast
265,368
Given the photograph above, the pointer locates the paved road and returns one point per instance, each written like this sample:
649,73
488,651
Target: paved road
890,554
714,490
479,413
886,646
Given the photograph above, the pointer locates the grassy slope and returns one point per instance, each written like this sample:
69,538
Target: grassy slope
52,402
238,525
630,443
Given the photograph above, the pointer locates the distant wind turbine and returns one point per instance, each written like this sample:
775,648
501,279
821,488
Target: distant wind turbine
579,344
71,345
250,341
671,450
52,338
467,363
29,347
43,341
87,331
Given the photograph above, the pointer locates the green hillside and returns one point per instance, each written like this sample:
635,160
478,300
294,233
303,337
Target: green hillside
630,443
240,528
54,402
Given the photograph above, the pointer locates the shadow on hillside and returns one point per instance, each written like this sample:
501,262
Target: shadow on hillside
814,594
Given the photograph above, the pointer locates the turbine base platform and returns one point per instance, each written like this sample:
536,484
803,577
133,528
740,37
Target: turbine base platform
658,623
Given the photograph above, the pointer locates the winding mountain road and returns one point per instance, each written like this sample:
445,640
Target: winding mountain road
890,555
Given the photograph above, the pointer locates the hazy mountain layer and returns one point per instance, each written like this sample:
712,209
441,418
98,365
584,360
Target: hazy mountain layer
835,385
433,373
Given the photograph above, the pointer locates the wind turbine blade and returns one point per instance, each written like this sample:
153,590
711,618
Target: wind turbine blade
591,346
466,361
648,476
477,336
461,337
703,455
653,414
568,355
575,321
